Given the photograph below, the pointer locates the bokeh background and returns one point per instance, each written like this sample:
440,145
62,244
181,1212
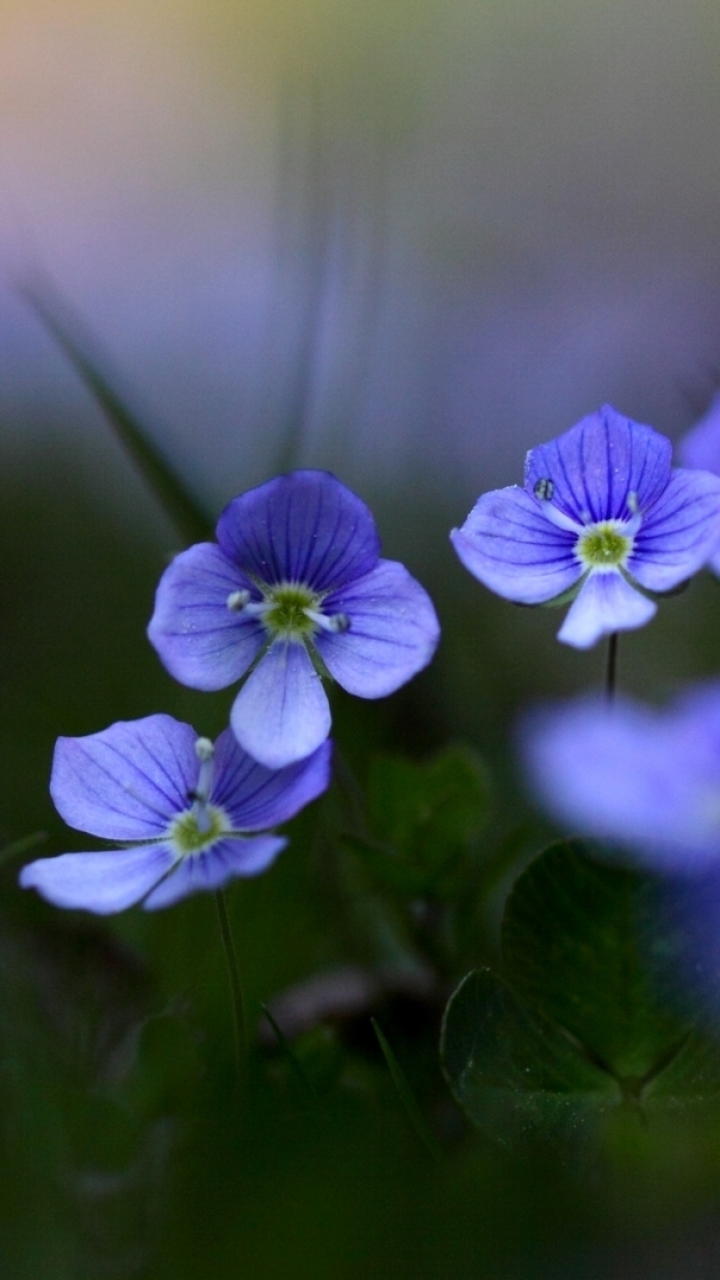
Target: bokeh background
403,241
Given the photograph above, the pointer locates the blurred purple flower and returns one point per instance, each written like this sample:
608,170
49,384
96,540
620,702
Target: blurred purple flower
181,807
701,448
601,515
294,590
647,779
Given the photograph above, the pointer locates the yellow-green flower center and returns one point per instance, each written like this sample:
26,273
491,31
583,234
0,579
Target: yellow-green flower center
198,828
604,546
286,615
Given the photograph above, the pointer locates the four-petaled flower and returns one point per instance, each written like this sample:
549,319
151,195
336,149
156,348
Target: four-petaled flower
601,514
294,589
647,779
183,809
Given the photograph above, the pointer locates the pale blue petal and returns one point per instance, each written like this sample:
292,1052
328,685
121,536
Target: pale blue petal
598,463
281,714
701,446
305,527
200,641
645,779
393,632
127,782
605,603
510,545
255,797
215,867
99,882
679,532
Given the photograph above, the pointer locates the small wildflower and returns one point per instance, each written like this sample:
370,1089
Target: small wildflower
642,778
602,517
184,811
294,590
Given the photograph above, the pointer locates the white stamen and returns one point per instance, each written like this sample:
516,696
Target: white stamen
335,623
205,751
558,518
237,600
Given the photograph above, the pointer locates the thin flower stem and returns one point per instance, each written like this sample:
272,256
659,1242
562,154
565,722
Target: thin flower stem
611,668
236,991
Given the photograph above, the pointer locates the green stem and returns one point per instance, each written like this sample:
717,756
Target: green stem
611,668
236,991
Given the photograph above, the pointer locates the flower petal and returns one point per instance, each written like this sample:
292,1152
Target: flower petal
630,774
605,603
510,545
595,465
281,714
701,446
680,531
255,797
99,882
127,782
393,632
203,872
200,641
305,527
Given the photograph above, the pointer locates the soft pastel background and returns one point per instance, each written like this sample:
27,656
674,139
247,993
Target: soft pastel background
416,238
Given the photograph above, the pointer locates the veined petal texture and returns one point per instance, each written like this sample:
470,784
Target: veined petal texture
680,531
508,543
216,867
305,527
255,797
281,714
598,463
200,640
393,632
99,882
605,603
127,782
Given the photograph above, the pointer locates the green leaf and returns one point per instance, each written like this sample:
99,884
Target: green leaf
173,493
427,818
513,1071
404,1092
579,939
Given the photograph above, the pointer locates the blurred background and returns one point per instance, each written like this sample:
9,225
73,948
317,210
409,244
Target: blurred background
404,241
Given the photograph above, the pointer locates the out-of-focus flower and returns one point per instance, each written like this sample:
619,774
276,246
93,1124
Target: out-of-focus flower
701,448
294,590
601,515
181,807
643,778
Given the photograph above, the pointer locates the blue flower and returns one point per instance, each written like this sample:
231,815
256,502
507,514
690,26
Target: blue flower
643,778
181,807
601,515
701,448
294,590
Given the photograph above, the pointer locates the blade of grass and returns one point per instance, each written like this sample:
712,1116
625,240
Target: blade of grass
22,845
288,1051
174,495
411,1107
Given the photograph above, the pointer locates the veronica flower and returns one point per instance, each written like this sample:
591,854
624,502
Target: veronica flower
294,590
640,777
601,515
185,812
701,448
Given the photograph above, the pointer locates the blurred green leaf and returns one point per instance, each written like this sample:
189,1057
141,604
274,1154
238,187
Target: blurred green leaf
512,1070
404,1092
171,490
578,939
427,818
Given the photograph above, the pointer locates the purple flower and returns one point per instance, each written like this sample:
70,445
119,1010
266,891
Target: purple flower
181,808
600,516
643,778
294,590
701,448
